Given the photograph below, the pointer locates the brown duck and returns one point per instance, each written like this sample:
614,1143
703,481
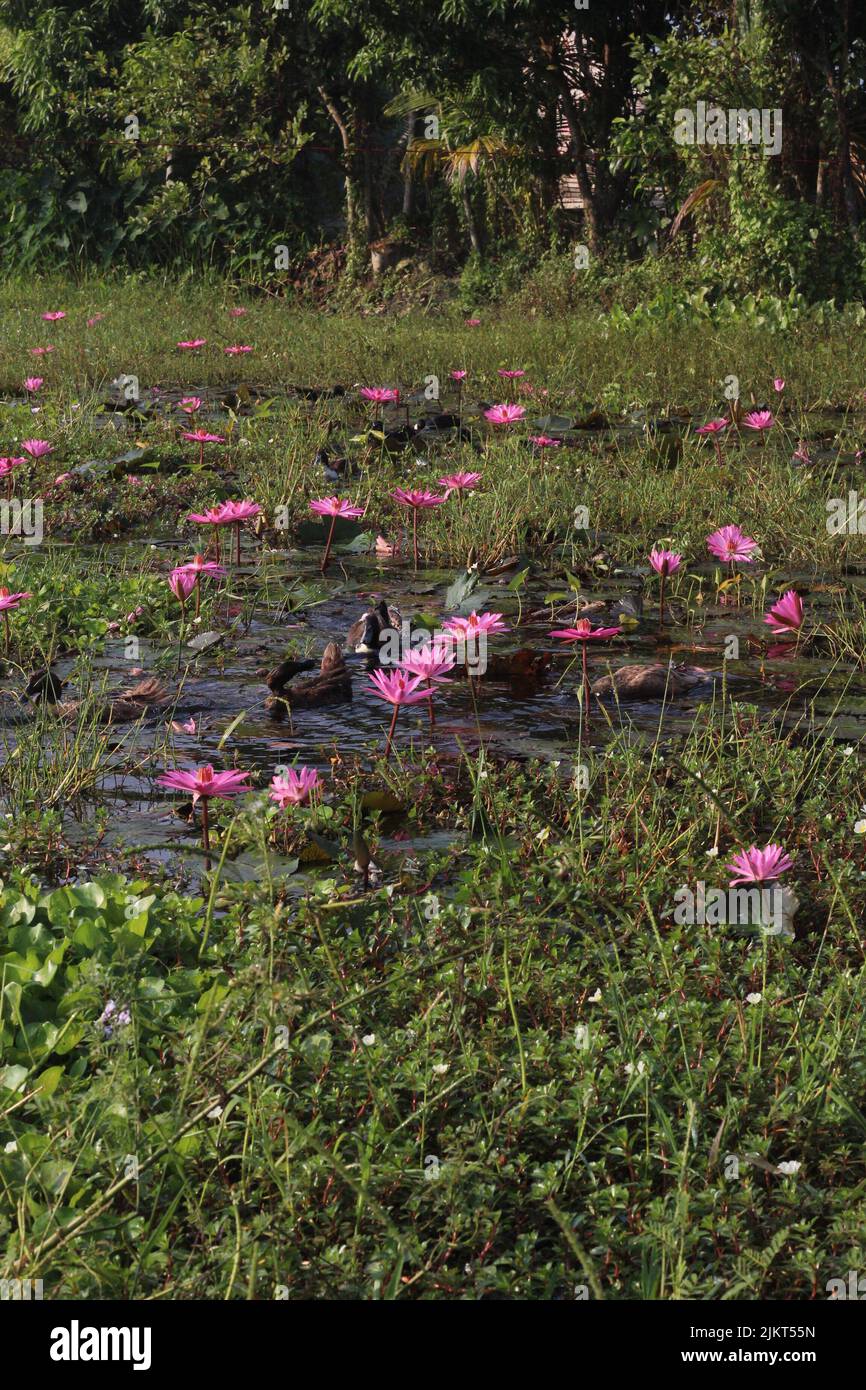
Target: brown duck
652,682
331,686
123,708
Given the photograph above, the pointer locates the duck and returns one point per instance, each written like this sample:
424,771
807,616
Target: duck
335,470
279,677
522,669
124,707
331,686
367,633
654,681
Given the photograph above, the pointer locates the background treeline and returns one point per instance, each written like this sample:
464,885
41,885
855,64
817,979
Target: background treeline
280,140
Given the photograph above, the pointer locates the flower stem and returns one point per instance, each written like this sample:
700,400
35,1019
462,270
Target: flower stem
327,555
391,732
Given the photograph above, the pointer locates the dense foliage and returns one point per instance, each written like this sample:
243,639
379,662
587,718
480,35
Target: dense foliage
263,137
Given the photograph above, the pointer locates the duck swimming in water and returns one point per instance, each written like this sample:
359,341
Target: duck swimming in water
279,678
652,682
125,707
331,686
367,634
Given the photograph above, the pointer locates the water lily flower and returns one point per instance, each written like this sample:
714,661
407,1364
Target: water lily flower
714,428
398,689
544,441
231,513
418,499
197,567
334,507
37,448
204,783
237,349
802,455
53,317
779,384
190,405
664,562
755,865
294,788
9,602
95,318
583,632
380,394
759,420
475,624
202,437
187,726
510,375
192,344
458,375
460,482
431,662
786,614
7,467
238,312
504,414
33,383
729,544
472,323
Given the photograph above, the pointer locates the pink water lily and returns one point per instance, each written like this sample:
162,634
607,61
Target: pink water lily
460,482
504,414
510,374
432,663
238,313
380,394
186,726
8,603
583,632
786,615
398,689
334,507
759,420
41,351
755,865
202,437
7,467
544,441
204,783
33,383
192,344
458,375
232,513
197,567
55,316
37,448
714,429
467,629
418,499
190,405
779,384
237,349
472,323
293,788
664,562
731,545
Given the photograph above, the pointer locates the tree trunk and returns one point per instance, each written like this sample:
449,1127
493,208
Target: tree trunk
578,146
476,237
408,180
355,241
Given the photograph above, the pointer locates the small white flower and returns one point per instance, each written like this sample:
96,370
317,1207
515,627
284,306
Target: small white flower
754,998
846,752
640,1068
11,1147
789,1167
215,1113
595,998
369,1039
713,852
661,1015
860,827
440,1068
